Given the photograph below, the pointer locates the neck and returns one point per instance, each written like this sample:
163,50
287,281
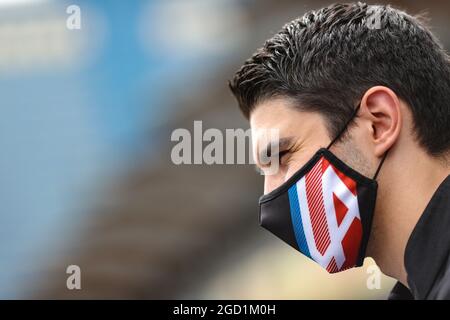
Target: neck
406,186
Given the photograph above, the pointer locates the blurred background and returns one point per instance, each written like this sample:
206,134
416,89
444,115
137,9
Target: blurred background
85,171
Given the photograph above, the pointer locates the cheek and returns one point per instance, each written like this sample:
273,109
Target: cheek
357,156
297,161
292,169
271,182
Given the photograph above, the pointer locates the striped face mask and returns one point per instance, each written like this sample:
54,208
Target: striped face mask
324,210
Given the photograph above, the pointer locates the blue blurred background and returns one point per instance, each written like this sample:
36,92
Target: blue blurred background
85,172
78,105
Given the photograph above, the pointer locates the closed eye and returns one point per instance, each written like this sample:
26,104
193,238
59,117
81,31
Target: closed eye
282,154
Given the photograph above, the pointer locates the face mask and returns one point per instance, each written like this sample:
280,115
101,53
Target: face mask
324,210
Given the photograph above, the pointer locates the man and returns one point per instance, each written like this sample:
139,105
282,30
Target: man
373,84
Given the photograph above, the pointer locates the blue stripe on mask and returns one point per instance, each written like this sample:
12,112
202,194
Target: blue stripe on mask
297,223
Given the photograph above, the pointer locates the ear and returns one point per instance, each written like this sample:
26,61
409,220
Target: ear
381,106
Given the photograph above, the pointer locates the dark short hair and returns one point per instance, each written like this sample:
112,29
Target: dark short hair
326,60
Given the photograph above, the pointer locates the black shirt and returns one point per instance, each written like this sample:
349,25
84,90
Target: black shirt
427,252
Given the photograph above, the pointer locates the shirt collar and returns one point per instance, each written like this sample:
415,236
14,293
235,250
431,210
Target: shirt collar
429,243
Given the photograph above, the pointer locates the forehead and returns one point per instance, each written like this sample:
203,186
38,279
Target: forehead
281,114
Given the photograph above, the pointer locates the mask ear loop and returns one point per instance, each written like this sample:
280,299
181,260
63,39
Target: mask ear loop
345,126
380,165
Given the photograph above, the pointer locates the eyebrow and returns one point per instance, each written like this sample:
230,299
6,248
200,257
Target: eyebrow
283,143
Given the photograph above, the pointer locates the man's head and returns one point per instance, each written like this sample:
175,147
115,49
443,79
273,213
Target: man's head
308,78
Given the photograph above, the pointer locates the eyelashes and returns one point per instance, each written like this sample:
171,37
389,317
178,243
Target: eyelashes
281,156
